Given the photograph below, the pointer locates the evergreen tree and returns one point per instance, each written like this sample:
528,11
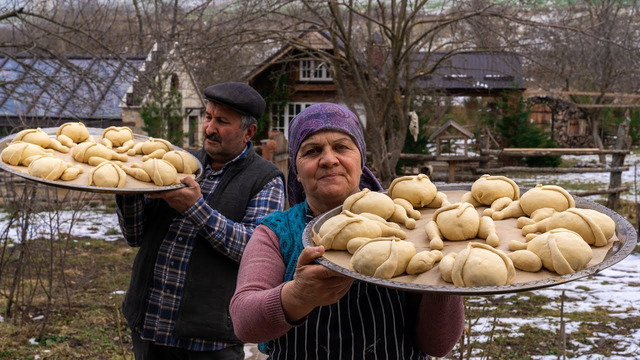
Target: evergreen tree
162,115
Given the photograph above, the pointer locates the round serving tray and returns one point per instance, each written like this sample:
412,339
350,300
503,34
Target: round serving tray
133,186
624,243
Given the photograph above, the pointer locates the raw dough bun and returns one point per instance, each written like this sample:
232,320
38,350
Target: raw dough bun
107,174
22,153
418,190
152,148
72,133
383,258
535,216
367,201
525,260
481,265
39,137
120,137
388,228
546,196
158,171
337,231
562,251
446,266
488,189
408,207
372,202
50,167
459,221
184,162
94,153
423,261
540,197
593,226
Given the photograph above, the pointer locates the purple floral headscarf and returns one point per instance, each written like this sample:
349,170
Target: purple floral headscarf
324,116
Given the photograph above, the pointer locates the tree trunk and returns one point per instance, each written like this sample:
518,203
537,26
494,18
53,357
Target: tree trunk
623,141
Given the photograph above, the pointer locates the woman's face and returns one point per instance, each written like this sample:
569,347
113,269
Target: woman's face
328,165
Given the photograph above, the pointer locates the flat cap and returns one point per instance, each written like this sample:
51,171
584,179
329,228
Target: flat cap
237,96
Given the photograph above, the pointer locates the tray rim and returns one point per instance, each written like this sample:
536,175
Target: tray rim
97,189
627,240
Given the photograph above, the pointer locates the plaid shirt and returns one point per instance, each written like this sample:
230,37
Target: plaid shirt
163,299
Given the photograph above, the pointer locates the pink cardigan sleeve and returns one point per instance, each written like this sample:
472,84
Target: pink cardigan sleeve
257,312
255,308
439,323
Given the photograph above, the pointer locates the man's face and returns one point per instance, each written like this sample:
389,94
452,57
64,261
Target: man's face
224,138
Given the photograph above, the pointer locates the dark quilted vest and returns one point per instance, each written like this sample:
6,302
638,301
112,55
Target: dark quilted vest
211,276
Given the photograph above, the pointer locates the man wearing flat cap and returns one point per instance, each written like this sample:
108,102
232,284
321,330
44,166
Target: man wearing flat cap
191,239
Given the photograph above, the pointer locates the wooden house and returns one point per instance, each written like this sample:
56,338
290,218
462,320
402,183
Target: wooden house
295,71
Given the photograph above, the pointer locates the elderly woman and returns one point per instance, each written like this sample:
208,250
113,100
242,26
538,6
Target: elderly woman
298,309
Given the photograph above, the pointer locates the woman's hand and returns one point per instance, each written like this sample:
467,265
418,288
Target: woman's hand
312,286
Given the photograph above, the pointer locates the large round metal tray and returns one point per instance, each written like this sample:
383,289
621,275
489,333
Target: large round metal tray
621,246
133,186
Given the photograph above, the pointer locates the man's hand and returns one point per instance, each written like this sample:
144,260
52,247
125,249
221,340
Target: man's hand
183,198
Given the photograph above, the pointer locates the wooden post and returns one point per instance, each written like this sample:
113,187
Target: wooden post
623,142
452,171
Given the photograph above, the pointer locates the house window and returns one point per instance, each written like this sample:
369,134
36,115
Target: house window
314,70
193,131
280,118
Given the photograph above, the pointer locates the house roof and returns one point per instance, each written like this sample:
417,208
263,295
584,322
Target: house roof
72,87
463,73
473,72
310,38
451,124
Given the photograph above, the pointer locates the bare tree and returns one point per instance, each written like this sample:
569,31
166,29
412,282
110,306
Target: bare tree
588,47
381,50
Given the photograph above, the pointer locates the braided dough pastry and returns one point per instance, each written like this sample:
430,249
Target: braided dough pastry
562,251
22,153
423,261
184,162
488,190
418,190
459,221
152,148
158,171
107,174
383,258
94,153
367,201
337,231
478,265
50,167
72,133
541,196
593,226
40,138
118,137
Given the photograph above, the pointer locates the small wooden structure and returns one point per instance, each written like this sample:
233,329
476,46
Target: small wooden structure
448,133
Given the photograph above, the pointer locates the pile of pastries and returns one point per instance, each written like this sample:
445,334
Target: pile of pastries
556,235
106,161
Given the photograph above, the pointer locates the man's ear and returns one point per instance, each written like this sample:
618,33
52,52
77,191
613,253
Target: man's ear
249,132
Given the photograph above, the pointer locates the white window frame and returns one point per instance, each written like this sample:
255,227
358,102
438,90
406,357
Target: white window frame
282,119
314,70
